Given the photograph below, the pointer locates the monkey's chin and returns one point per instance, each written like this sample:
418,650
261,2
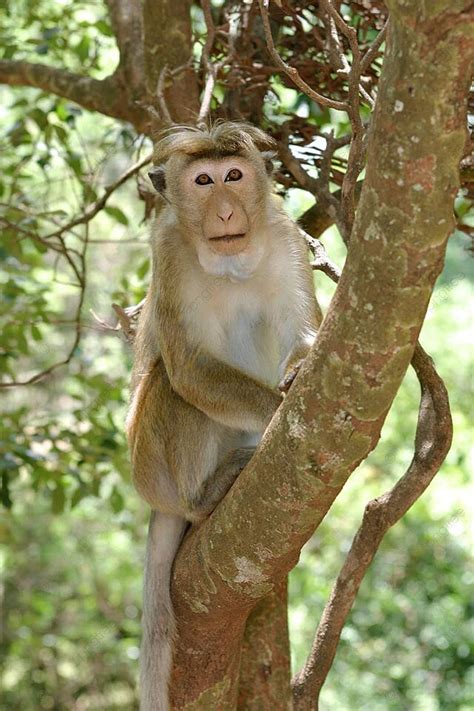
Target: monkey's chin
237,267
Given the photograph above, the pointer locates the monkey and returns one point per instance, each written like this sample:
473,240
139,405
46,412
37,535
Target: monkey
230,310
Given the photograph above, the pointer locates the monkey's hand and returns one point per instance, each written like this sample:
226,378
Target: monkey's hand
287,381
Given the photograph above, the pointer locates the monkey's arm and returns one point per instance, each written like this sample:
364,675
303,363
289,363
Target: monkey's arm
222,392
314,318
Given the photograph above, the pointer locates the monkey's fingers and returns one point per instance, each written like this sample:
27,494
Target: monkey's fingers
287,381
285,384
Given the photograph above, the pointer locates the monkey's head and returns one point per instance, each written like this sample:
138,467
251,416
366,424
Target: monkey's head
217,182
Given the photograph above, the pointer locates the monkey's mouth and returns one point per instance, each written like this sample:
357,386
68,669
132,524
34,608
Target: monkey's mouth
227,238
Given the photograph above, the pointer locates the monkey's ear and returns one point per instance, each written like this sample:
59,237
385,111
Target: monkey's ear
268,157
157,177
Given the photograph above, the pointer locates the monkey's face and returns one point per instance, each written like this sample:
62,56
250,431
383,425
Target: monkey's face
224,200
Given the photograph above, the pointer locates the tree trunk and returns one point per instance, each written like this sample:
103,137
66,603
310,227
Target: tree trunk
265,669
332,416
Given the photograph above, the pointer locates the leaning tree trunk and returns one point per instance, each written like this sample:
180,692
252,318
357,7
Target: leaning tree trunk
333,415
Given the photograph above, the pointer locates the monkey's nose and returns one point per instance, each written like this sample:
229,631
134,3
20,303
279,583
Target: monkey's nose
225,214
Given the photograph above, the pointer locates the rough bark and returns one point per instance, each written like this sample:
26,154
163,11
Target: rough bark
265,661
127,23
150,38
333,415
167,44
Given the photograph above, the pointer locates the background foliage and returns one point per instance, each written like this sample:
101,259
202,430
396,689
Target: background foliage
71,573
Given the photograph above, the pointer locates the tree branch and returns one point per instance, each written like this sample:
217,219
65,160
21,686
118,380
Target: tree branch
292,72
321,260
373,50
333,414
318,218
95,207
264,680
295,168
127,23
357,145
212,68
105,96
432,443
168,46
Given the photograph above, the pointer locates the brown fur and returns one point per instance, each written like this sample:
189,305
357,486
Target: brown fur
222,322
222,139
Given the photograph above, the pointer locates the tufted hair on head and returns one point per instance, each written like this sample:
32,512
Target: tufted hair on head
221,139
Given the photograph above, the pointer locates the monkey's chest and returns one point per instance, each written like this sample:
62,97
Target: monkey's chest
252,344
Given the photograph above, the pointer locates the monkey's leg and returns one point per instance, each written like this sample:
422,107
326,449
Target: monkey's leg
219,482
175,447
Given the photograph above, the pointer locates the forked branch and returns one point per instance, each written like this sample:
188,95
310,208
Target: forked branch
337,29
292,72
212,67
432,443
56,241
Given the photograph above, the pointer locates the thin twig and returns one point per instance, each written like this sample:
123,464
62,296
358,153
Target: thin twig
99,204
321,260
371,53
127,320
79,270
128,317
356,151
292,72
211,68
81,275
160,96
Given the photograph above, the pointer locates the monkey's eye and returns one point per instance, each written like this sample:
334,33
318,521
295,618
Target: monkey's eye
203,179
233,175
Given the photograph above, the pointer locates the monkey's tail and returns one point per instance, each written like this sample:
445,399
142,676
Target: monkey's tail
159,627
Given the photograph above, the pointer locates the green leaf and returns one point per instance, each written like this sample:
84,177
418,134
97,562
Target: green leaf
39,117
104,28
61,133
117,214
61,111
36,333
82,48
74,161
116,500
143,268
50,32
5,491
58,499
39,246
80,493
